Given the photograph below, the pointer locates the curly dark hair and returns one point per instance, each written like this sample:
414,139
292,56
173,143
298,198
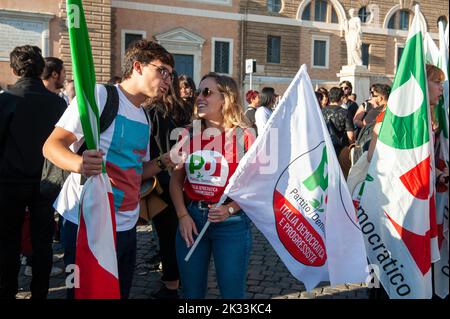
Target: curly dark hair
144,51
27,61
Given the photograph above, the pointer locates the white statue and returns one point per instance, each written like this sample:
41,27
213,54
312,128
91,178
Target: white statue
353,35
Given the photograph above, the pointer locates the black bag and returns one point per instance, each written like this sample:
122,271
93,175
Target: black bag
53,177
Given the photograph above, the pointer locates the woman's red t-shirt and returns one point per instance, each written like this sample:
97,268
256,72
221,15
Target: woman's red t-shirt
210,163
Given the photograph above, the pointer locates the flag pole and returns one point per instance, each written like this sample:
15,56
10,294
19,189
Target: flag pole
205,227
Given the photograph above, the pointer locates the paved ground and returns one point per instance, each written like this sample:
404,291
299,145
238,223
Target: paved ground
268,278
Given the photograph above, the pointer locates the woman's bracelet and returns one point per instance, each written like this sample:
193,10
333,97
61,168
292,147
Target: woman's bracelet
182,216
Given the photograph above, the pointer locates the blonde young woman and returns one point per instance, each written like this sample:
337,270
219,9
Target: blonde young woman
212,157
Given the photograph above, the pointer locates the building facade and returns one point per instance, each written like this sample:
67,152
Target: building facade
219,35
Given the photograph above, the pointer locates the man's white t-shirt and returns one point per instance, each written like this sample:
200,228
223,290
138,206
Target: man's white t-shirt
126,146
262,115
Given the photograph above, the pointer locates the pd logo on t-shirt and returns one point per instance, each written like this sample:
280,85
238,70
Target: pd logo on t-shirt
208,168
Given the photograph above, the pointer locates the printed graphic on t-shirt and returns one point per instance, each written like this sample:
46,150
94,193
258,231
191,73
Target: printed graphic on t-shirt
207,171
124,161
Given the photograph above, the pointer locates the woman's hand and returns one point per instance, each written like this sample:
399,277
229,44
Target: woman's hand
218,214
187,227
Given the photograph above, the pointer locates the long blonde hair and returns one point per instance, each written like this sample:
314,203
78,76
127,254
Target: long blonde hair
232,110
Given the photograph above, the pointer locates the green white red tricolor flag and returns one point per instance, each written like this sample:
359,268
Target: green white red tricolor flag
397,209
291,186
96,240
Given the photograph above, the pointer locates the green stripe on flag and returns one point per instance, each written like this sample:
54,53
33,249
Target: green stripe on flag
83,72
411,131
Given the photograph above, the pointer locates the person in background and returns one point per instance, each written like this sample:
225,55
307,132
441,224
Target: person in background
340,128
114,80
325,99
263,113
228,238
54,74
166,114
319,97
252,98
53,77
347,103
69,91
362,111
28,114
187,90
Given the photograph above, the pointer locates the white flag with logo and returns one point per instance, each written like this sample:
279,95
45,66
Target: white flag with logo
397,210
291,186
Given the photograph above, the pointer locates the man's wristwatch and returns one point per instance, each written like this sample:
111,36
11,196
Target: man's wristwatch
230,210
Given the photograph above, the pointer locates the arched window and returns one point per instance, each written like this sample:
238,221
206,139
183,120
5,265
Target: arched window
306,15
321,11
444,21
274,5
334,18
364,14
400,20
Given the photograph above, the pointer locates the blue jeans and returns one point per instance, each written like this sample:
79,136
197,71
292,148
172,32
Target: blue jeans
230,243
126,254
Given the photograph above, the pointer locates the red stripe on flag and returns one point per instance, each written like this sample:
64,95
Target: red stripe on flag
95,281
418,246
417,180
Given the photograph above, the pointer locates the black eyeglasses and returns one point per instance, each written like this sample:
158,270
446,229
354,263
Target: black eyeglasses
345,87
205,92
165,74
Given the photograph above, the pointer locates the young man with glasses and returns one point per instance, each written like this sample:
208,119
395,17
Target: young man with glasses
124,147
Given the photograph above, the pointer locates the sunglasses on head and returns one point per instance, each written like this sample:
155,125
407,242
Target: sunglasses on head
204,92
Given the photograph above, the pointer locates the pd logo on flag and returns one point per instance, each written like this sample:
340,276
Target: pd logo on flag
299,206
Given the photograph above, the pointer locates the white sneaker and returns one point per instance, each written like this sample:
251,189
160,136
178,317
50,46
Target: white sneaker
56,258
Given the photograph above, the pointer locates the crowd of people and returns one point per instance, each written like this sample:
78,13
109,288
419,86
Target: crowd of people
40,122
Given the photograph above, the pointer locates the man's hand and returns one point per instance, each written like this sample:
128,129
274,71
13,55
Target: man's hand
91,163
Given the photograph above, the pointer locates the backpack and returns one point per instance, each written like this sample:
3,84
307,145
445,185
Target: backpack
53,177
339,141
